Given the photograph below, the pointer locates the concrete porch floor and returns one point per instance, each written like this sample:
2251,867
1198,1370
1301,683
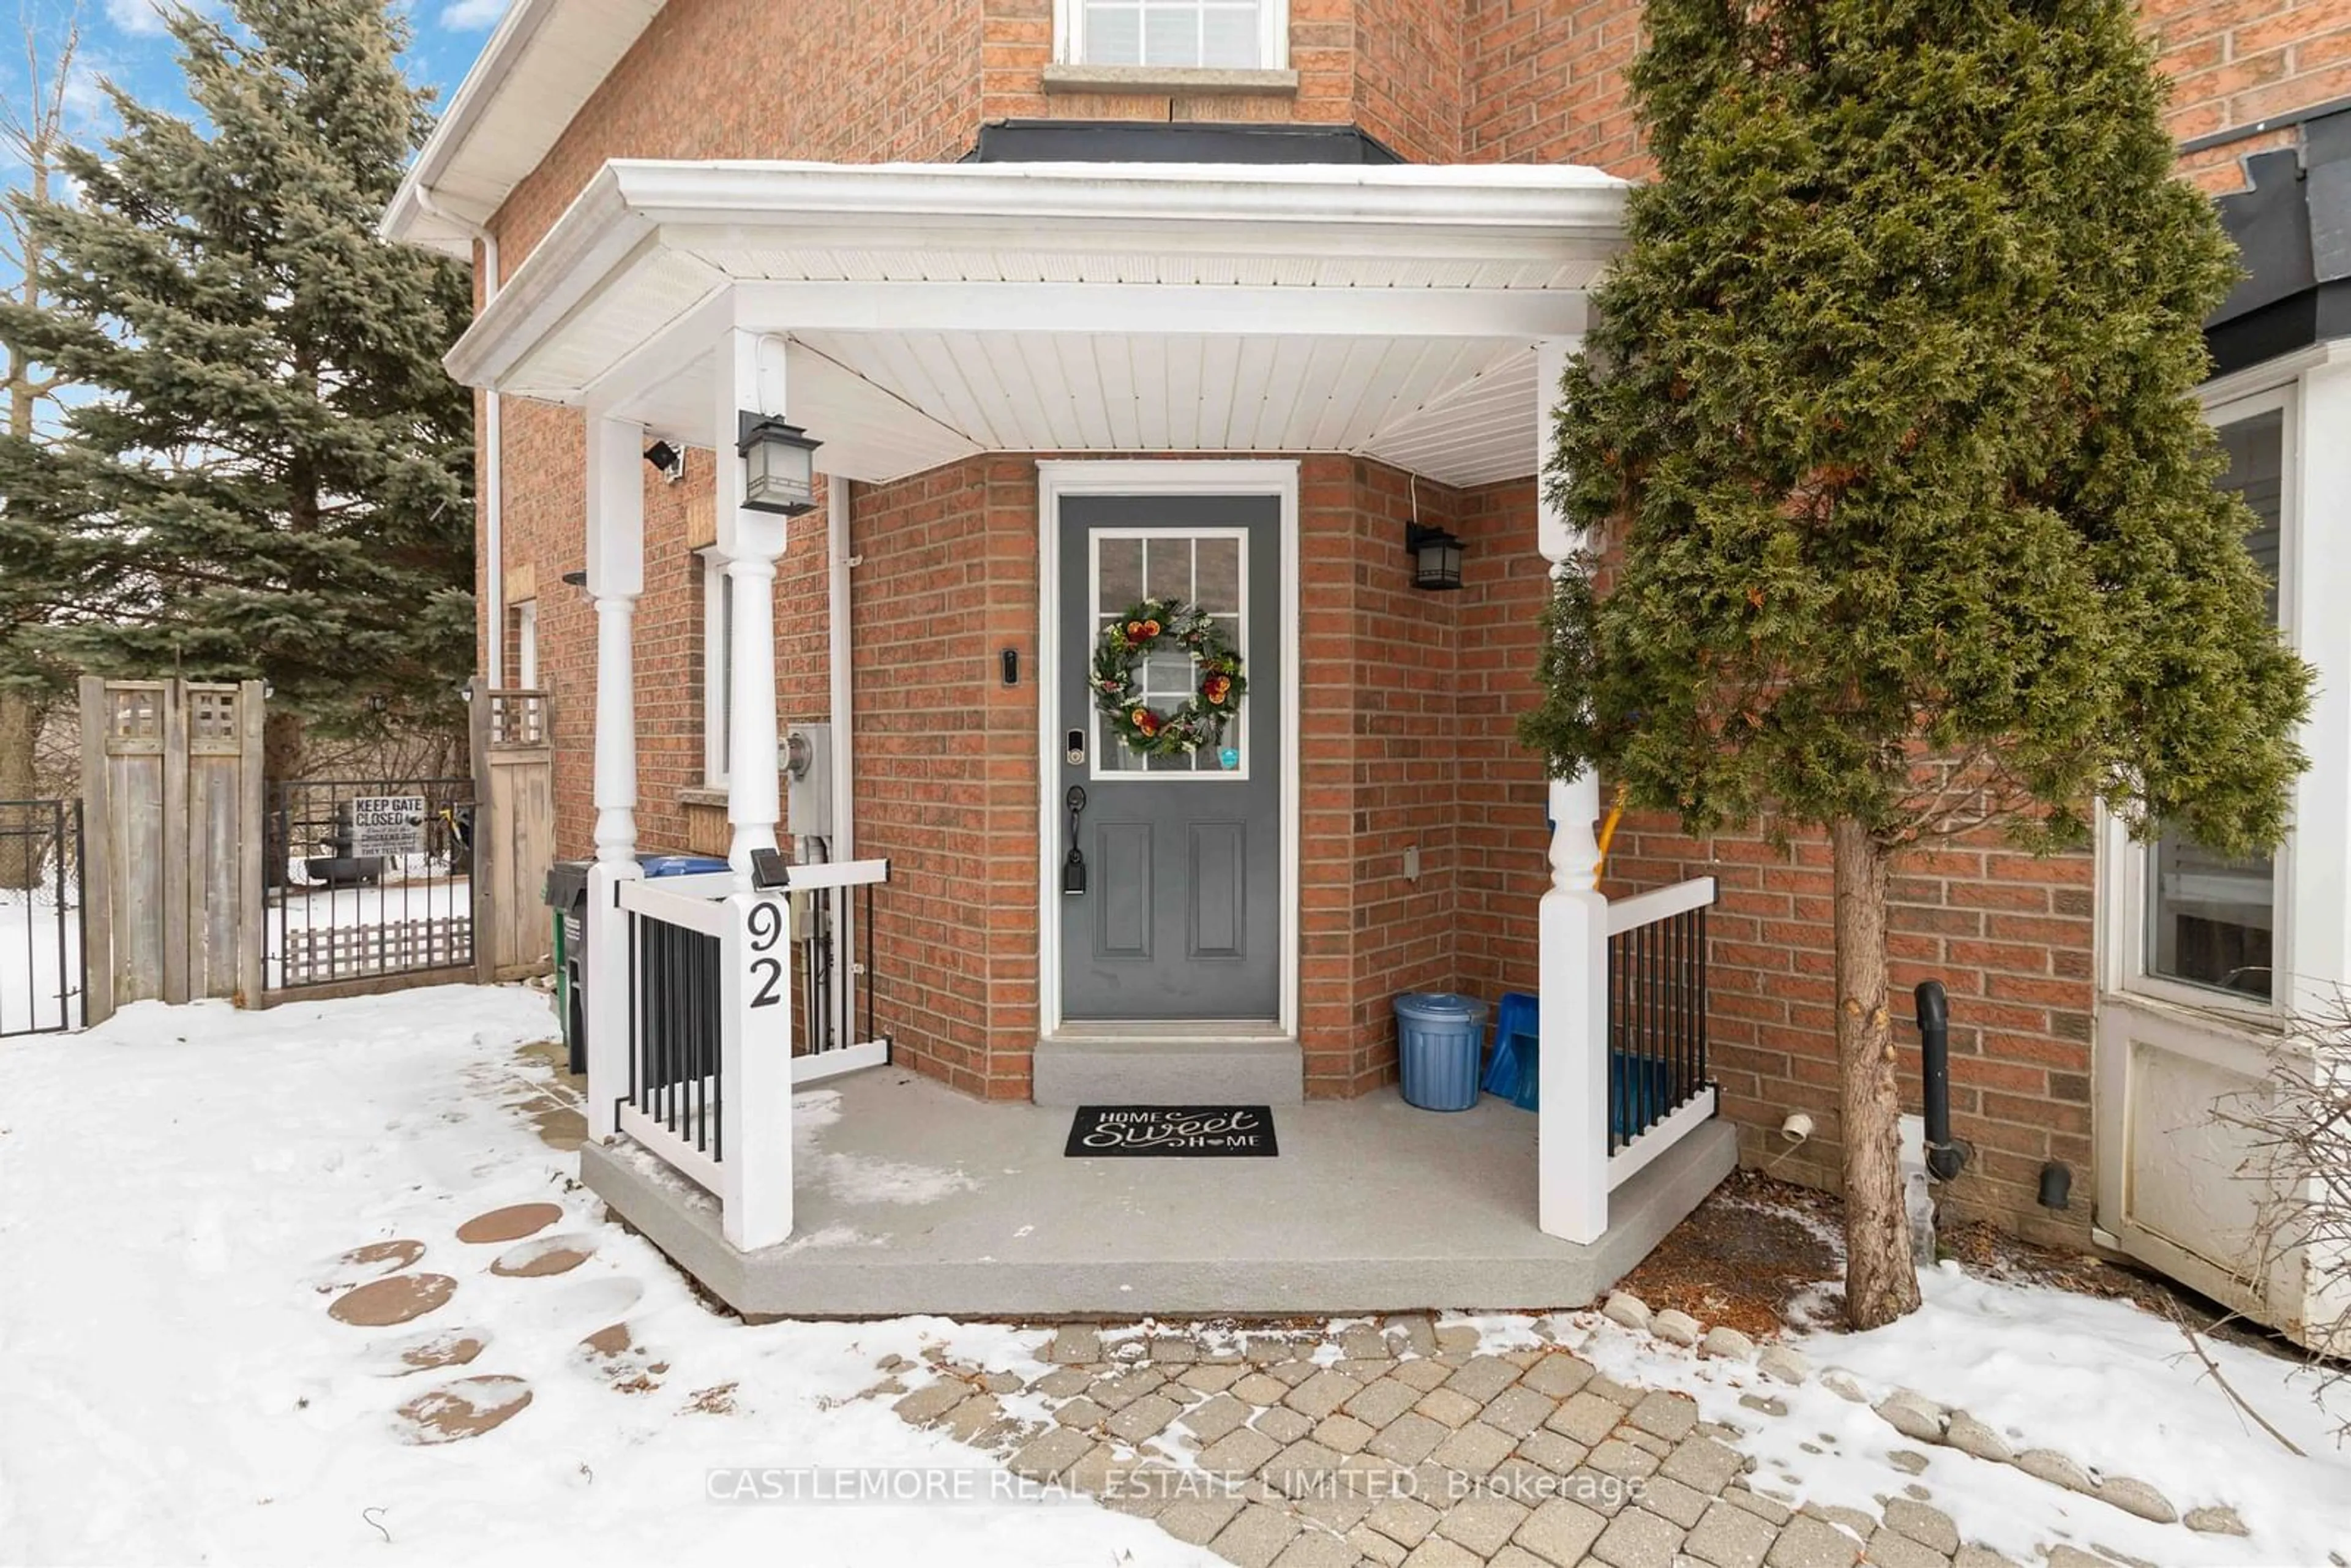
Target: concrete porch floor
911,1197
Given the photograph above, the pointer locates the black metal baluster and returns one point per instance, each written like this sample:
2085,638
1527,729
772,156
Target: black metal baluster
1652,973
81,907
1702,1000
636,1034
1682,1010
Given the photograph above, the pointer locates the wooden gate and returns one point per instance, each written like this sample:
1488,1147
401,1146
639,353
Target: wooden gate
172,874
514,832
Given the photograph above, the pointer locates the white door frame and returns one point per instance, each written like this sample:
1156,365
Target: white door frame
2153,1036
1277,477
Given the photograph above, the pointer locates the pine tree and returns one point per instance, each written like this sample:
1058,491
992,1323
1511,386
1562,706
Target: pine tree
1886,434
272,479
33,585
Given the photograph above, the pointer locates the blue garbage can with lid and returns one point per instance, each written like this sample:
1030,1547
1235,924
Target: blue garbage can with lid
1440,1038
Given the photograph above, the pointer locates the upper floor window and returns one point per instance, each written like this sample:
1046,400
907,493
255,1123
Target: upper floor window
1216,34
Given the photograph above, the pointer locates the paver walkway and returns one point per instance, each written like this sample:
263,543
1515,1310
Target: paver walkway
1403,1445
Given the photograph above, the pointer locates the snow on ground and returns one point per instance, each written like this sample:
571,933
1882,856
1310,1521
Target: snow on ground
175,1188
177,1185
2110,1385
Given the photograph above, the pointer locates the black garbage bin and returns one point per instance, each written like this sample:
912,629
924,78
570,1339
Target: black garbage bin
566,894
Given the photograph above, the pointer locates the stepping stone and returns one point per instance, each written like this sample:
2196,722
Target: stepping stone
390,1300
391,1255
510,1224
546,1254
611,1341
465,1409
429,1352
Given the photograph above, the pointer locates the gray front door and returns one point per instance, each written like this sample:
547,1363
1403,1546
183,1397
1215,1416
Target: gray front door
1181,916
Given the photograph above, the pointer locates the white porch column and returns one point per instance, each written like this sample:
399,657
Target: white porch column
1571,1133
616,574
754,992
750,380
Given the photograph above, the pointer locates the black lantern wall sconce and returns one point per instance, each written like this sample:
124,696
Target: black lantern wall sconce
778,465
1436,556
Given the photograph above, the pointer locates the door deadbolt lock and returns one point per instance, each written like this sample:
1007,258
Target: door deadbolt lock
1076,752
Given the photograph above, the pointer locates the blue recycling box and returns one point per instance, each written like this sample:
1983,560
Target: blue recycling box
1440,1038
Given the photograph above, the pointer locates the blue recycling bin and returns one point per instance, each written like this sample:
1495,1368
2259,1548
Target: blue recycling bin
1440,1038
679,865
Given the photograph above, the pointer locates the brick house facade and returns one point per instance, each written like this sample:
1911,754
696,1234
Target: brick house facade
1407,699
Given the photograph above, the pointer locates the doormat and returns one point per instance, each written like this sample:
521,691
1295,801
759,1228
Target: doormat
1104,1132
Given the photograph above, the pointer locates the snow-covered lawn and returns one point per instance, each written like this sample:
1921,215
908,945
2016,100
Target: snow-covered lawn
177,1189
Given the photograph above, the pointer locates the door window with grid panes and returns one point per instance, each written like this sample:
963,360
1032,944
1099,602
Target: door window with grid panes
1207,566
1221,35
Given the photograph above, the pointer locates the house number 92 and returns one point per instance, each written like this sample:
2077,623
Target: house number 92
767,928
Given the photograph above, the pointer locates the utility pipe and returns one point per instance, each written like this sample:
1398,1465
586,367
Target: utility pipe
494,570
1944,1158
843,846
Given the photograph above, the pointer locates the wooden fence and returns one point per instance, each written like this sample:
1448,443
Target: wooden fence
514,832
172,870
177,836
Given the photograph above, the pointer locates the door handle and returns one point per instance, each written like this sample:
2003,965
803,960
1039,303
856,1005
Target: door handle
1073,866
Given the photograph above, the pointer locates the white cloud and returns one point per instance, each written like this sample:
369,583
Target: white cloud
146,17
85,101
472,16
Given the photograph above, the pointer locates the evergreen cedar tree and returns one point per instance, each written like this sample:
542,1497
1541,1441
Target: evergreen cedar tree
1884,434
273,476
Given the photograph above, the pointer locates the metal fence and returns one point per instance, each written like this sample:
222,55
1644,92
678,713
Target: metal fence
369,880
42,978
1657,1022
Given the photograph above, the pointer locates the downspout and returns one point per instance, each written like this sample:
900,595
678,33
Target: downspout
844,808
494,638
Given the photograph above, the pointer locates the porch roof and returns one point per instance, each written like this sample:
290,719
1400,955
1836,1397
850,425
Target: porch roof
935,311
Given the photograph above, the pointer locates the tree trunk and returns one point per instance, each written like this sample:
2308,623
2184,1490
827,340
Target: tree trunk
1881,1281
281,754
20,852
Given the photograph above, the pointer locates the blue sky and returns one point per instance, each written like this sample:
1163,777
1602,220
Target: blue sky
124,40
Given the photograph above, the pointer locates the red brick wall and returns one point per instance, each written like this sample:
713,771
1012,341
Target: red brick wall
1376,772
1543,82
1408,81
2235,63
1504,847
946,765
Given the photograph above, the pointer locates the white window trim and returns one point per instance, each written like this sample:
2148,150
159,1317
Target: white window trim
715,653
1273,44
2124,868
1103,738
527,645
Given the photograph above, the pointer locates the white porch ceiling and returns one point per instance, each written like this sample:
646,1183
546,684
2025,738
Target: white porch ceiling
933,312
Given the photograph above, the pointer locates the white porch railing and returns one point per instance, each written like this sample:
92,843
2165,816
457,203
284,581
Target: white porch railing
1623,1061
1657,1086
703,1074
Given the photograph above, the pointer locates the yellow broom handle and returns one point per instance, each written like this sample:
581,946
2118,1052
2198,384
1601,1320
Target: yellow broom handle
1608,830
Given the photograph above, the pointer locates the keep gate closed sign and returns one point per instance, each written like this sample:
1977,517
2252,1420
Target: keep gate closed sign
388,825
